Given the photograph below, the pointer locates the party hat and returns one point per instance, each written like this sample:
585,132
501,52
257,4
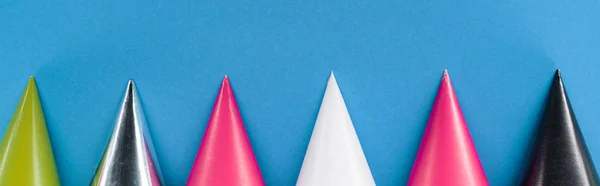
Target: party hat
447,156
560,156
225,156
334,155
129,158
25,153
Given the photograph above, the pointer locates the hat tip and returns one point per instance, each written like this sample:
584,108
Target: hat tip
446,75
225,80
557,73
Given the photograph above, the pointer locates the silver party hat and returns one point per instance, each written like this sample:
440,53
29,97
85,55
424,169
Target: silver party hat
129,158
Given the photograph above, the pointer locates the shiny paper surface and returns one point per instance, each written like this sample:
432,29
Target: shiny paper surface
334,155
129,159
560,156
447,156
25,153
225,156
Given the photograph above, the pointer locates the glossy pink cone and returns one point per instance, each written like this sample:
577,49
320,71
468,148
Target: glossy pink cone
225,157
447,156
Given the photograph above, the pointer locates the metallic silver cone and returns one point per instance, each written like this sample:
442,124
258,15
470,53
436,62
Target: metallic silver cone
129,158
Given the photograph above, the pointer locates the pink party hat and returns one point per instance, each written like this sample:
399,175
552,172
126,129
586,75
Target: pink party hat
447,156
225,157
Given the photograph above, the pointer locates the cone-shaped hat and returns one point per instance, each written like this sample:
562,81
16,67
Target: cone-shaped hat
560,156
25,153
129,158
447,155
225,156
334,155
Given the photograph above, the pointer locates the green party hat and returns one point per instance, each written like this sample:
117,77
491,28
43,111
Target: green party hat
25,153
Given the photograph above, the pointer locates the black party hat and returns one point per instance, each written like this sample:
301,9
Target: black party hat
560,156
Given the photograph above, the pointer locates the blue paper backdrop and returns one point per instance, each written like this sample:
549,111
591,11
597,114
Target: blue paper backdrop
388,57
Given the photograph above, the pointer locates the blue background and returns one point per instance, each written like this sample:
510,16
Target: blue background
388,57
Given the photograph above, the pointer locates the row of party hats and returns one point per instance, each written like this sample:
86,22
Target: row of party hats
334,156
